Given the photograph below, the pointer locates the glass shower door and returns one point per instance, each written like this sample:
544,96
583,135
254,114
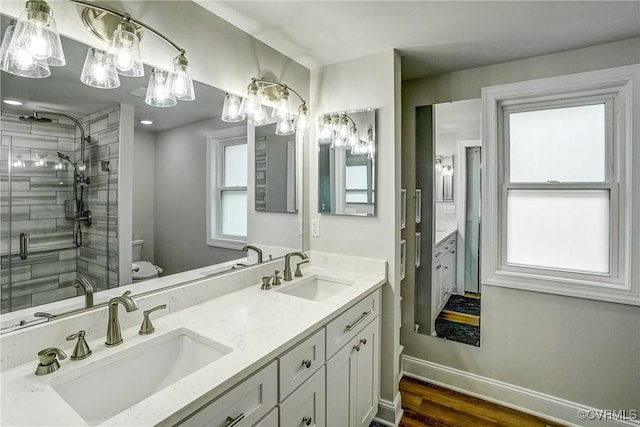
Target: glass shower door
38,252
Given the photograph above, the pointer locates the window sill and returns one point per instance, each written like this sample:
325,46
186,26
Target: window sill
227,243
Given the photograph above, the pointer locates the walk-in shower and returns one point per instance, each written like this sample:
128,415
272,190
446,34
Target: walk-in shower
74,208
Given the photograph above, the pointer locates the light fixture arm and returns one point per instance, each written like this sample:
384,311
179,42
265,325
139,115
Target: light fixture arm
129,18
271,83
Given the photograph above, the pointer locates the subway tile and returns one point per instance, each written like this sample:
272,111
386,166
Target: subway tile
97,125
36,226
42,142
66,279
33,258
18,213
51,183
109,136
53,295
14,124
54,268
47,211
66,254
18,274
28,198
32,286
66,144
16,304
114,117
53,130
18,183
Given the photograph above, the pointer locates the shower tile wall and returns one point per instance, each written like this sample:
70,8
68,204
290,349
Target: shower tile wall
37,208
98,256
38,195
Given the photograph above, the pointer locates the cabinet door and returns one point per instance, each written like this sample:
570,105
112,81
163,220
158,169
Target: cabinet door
367,374
306,406
341,390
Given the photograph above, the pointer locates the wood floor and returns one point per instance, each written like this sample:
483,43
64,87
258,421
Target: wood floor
430,405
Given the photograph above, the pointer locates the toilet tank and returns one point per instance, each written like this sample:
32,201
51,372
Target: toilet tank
136,252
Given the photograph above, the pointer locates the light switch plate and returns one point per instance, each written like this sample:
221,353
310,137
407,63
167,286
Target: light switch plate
315,228
449,209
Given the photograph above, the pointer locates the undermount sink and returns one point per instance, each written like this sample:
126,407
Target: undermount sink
317,288
112,385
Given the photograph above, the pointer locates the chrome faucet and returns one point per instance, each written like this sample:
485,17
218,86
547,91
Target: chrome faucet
114,336
287,264
87,288
254,248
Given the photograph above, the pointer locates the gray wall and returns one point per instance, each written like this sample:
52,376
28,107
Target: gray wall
180,226
581,350
144,153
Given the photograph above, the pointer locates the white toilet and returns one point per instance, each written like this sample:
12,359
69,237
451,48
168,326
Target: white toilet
142,270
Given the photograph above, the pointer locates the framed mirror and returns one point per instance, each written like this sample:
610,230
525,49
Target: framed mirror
448,290
347,163
147,187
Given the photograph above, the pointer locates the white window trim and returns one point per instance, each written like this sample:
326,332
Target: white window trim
624,83
215,145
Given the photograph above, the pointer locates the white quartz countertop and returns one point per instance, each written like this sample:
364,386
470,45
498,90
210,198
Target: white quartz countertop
258,325
441,235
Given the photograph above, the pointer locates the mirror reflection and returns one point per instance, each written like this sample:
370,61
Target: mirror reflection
448,281
346,163
142,176
275,170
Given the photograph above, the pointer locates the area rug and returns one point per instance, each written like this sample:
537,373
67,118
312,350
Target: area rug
463,304
459,332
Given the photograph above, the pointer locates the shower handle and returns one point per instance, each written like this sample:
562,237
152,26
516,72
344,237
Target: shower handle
24,245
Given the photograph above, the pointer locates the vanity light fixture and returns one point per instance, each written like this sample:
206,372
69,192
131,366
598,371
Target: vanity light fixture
252,107
32,44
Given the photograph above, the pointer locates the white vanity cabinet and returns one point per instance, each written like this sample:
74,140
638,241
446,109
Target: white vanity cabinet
444,271
353,366
331,379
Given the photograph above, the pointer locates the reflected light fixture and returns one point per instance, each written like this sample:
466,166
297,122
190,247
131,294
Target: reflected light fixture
20,63
158,93
99,71
262,92
146,122
231,109
32,44
15,102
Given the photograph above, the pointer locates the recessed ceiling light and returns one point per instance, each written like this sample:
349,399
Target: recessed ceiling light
146,122
12,101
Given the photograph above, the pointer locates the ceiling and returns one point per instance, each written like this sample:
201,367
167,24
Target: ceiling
433,37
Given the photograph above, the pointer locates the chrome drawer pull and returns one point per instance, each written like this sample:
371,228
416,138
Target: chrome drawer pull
307,420
364,315
306,363
230,422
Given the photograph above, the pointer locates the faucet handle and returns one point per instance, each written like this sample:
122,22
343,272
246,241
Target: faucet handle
298,273
147,327
126,294
81,350
266,283
48,362
276,278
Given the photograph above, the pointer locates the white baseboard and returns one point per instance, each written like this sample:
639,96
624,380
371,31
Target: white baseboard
509,395
389,413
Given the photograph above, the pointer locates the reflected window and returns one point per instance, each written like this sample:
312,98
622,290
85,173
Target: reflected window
227,192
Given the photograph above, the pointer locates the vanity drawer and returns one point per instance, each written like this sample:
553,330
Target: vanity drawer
306,406
243,405
445,247
341,330
299,363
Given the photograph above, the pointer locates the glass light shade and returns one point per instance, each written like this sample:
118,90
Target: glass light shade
281,110
339,142
21,63
326,130
342,129
260,116
158,93
302,121
284,127
36,33
98,70
125,49
251,103
180,81
231,109
354,137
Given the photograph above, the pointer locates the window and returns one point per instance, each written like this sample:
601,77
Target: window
227,192
558,186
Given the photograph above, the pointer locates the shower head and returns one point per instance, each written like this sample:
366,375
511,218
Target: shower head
65,157
36,118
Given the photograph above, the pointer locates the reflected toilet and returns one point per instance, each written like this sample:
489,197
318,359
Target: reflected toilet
142,270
